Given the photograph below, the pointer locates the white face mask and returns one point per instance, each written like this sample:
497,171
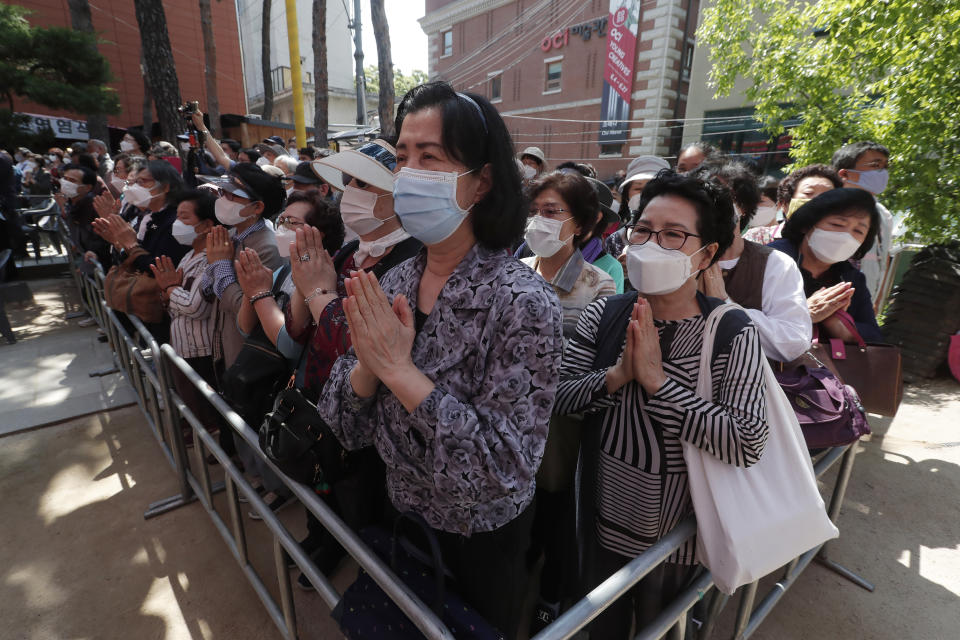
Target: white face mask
183,233
634,202
874,181
137,195
832,246
378,247
284,237
764,216
262,162
184,146
69,189
30,167
293,151
356,209
118,183
53,158
543,236
228,212
528,172
126,146
289,191
656,271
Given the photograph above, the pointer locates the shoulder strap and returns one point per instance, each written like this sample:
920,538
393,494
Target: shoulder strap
730,324
610,331
345,252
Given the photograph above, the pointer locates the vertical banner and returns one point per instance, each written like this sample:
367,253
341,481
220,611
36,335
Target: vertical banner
618,70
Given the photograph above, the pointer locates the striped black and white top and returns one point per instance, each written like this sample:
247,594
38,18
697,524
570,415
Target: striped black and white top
642,487
191,314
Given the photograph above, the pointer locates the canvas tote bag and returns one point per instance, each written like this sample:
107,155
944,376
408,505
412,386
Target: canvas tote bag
753,521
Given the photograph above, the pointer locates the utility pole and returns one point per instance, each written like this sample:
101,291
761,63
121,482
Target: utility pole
293,40
358,56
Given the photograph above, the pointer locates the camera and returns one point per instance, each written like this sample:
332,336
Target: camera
187,109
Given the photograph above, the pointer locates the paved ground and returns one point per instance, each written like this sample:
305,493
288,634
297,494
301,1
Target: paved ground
46,373
79,560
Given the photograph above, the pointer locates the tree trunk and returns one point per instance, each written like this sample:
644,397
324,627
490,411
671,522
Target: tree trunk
161,72
381,31
265,61
210,63
81,20
147,100
321,79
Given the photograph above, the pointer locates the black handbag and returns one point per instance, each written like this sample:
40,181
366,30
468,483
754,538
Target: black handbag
300,443
259,372
366,613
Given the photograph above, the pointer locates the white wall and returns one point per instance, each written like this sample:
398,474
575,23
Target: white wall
339,43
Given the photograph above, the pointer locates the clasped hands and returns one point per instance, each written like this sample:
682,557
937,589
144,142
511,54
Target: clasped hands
641,359
115,230
381,333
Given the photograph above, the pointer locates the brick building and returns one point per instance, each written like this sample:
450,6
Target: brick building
555,68
116,24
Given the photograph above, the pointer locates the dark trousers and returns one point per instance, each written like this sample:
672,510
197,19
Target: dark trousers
643,602
553,534
489,569
191,396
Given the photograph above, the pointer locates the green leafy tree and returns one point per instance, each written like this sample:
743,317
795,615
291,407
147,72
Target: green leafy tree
401,82
854,70
55,67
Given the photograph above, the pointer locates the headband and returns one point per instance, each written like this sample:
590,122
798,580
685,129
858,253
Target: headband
476,106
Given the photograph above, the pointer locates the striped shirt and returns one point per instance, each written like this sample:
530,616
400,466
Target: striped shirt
642,486
191,318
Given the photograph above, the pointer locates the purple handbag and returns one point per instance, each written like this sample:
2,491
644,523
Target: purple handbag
829,412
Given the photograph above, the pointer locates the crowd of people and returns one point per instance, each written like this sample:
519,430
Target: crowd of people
510,348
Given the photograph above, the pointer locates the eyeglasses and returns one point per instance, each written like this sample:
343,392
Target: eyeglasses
146,182
290,222
547,211
672,239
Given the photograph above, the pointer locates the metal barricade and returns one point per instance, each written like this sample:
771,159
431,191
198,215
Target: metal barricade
149,368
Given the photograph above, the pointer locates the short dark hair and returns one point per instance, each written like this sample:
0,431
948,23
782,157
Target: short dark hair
233,144
204,203
576,191
89,175
841,201
473,133
88,161
711,199
267,189
741,181
165,173
788,185
846,156
141,139
324,216
253,154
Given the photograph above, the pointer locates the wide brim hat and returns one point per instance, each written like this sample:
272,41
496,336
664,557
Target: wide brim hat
534,152
372,163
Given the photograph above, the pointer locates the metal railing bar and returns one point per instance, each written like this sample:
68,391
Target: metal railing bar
779,589
420,615
602,596
675,612
286,593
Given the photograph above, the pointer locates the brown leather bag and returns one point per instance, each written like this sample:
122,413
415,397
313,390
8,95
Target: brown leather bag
133,292
874,370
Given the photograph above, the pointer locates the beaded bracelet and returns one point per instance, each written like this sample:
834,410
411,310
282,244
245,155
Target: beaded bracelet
260,296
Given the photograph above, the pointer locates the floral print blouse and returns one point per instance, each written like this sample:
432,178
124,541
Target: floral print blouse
466,458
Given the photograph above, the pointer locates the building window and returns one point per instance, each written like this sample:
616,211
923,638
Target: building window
496,86
686,61
614,149
553,70
446,40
